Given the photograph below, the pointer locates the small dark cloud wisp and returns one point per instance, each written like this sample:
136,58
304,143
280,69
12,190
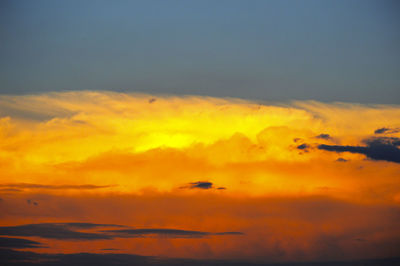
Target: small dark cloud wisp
385,130
201,185
9,242
198,185
303,147
323,136
165,232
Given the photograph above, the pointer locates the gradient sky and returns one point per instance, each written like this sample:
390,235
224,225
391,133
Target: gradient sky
270,50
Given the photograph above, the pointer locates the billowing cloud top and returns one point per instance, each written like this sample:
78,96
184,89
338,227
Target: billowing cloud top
199,176
128,142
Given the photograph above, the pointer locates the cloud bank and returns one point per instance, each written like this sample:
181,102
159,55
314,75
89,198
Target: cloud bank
198,176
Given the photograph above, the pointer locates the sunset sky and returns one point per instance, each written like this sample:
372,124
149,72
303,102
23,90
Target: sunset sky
191,132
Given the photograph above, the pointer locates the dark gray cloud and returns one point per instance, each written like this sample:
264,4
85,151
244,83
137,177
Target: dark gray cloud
323,136
90,225
384,148
202,185
62,231
8,242
43,186
199,185
173,233
18,258
68,231
388,130
303,147
341,160
228,233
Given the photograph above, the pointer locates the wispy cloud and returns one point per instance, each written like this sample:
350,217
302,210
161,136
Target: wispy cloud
376,149
68,231
8,242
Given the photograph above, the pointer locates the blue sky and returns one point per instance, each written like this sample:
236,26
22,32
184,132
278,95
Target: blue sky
268,50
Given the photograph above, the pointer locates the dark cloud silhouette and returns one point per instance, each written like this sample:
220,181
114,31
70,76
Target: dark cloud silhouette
68,231
200,185
17,258
303,147
323,136
228,233
90,225
42,186
376,149
52,230
173,233
384,130
341,160
152,100
8,242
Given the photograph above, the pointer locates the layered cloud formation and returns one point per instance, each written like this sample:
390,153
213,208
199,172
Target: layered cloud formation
199,177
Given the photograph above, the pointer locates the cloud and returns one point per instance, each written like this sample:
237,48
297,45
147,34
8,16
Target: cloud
303,147
376,149
385,130
341,160
199,185
65,231
90,225
13,257
11,186
323,136
61,231
8,242
173,233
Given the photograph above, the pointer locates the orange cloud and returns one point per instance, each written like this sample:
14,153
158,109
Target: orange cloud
105,157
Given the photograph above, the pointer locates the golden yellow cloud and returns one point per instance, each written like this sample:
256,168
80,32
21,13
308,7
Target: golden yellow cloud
132,143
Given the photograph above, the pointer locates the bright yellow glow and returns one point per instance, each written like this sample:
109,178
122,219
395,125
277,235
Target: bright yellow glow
138,142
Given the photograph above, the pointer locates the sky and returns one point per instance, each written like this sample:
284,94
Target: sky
199,133
271,50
